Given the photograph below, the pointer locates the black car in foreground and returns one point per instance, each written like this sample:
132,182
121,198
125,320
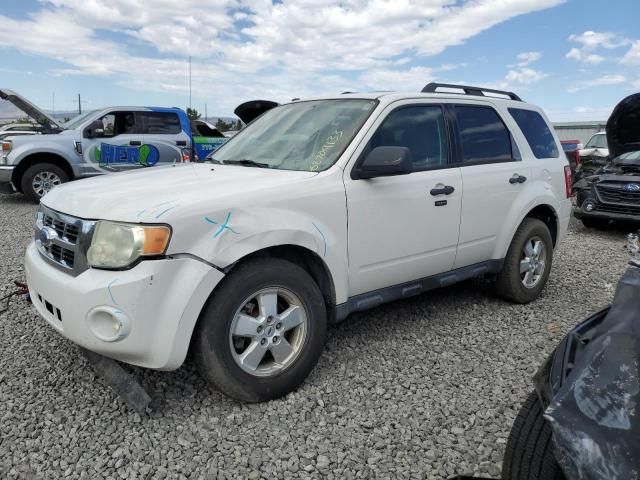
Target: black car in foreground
612,193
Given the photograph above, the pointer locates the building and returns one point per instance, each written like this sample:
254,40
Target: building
578,130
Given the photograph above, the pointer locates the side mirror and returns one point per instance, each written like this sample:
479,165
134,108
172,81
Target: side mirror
385,162
94,130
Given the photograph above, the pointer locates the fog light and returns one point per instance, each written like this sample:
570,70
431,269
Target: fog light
108,323
589,207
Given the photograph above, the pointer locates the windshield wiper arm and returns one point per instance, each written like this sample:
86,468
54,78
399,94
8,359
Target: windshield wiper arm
246,163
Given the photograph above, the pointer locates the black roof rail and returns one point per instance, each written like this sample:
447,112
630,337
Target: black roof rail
468,90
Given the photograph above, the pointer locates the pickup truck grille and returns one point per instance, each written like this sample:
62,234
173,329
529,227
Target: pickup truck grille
63,240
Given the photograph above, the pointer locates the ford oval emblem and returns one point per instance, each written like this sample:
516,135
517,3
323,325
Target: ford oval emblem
632,187
46,236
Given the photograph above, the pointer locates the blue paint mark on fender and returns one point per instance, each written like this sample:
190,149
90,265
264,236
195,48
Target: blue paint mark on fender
324,254
113,300
222,226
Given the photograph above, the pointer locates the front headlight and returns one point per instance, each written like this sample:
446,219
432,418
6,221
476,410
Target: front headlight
6,149
118,245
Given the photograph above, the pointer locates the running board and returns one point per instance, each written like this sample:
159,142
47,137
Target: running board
376,298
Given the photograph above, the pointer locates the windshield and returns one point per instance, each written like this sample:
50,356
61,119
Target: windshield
629,156
298,136
76,121
597,141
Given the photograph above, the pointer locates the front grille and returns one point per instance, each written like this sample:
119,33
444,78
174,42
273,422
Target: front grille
63,240
614,193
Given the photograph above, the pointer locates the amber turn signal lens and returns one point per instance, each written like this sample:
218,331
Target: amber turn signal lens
156,240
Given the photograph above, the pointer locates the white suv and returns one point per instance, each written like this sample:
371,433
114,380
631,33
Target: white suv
317,209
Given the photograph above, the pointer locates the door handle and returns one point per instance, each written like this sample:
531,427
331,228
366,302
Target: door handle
135,143
181,143
441,189
517,178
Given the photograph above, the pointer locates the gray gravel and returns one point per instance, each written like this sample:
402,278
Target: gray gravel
426,387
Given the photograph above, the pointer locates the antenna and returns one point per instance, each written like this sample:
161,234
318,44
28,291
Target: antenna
189,81
79,106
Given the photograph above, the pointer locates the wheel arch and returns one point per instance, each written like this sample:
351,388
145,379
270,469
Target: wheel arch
39,157
548,215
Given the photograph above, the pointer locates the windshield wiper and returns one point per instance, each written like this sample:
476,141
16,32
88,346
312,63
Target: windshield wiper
246,163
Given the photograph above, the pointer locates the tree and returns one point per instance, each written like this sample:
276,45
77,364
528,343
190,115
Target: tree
192,113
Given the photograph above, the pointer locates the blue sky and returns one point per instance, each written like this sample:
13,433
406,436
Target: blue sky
575,58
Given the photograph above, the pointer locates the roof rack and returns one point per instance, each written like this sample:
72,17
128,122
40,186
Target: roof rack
468,90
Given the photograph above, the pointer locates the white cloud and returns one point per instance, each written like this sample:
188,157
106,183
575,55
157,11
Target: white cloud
248,48
525,76
632,57
527,58
590,41
581,56
614,79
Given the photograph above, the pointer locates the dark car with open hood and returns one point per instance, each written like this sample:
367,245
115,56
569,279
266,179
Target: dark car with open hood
612,193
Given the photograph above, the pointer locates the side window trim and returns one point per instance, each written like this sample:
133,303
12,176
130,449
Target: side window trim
448,134
458,160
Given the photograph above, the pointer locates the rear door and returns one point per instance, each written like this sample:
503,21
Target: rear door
493,175
404,227
165,137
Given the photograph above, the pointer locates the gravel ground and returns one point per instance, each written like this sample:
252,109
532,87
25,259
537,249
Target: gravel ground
423,388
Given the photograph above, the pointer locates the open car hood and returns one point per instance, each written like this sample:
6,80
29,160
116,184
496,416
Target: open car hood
249,111
623,126
49,123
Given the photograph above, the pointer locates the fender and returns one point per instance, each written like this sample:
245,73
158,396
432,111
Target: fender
20,152
535,194
225,237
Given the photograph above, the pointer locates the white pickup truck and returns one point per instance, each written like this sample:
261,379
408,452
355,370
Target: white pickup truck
317,209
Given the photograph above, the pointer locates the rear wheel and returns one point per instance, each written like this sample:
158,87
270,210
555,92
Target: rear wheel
528,263
262,330
39,179
529,451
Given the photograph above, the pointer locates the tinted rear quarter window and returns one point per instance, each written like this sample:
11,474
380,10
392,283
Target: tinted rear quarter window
483,135
537,132
160,123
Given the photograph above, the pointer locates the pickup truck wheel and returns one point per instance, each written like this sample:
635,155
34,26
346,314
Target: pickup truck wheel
40,178
529,452
528,263
262,330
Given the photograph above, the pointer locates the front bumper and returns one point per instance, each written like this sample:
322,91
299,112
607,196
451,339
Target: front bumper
581,213
6,172
160,300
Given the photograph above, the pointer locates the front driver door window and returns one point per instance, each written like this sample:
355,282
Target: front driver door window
398,230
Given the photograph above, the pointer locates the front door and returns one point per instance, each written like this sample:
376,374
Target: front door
405,227
117,147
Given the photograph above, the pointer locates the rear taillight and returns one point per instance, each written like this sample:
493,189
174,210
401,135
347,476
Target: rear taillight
186,155
567,181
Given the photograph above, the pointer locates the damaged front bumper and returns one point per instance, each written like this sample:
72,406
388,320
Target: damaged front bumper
143,316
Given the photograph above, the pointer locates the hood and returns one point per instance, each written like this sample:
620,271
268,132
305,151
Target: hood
623,126
49,123
249,111
156,194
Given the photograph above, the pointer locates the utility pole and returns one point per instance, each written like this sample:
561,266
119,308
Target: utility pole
189,81
53,102
79,106
206,116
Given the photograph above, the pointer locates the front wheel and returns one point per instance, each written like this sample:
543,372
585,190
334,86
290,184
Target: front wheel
39,179
262,331
528,263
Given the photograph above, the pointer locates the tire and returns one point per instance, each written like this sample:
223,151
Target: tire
50,176
529,451
595,223
218,353
510,283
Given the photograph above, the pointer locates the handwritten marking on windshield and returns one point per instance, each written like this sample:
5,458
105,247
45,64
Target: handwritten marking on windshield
318,158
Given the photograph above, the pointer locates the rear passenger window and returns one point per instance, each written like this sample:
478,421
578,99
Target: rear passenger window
537,132
160,123
419,128
484,137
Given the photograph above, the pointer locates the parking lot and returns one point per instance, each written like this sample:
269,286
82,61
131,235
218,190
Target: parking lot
426,387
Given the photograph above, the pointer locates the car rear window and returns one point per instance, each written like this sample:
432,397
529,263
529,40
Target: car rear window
537,132
569,147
